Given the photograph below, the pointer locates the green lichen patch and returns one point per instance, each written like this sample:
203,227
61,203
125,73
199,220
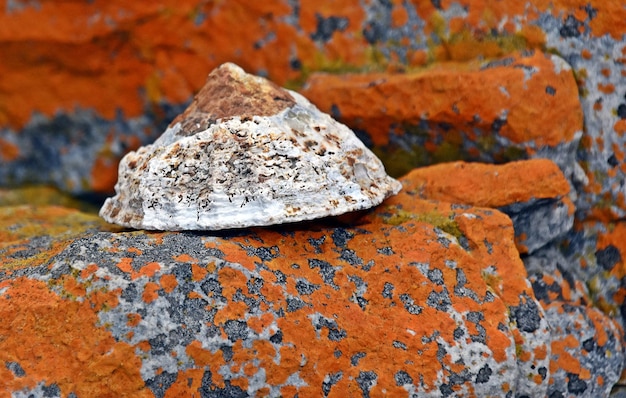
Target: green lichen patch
437,220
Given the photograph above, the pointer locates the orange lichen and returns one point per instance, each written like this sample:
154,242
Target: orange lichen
197,272
242,382
150,292
478,184
134,250
8,151
448,94
258,324
185,258
126,265
195,295
144,346
607,88
168,282
89,271
562,359
399,16
133,319
93,361
73,288
541,352
187,383
201,356
104,300
149,269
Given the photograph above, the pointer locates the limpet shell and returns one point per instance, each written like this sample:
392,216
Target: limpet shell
246,153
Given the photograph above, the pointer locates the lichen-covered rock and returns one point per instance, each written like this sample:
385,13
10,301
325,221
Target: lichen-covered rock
54,129
246,153
420,297
534,193
595,254
576,369
582,369
31,235
489,111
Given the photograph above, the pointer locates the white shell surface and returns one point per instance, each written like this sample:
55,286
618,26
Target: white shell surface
298,164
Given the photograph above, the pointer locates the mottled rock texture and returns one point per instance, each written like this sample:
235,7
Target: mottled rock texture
32,235
538,202
492,110
146,62
419,297
83,83
246,153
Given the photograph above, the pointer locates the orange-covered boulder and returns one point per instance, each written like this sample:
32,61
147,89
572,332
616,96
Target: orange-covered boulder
534,193
417,296
492,111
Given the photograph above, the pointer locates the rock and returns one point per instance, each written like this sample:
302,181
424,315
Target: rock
580,369
284,312
246,153
594,254
53,129
534,193
420,296
31,235
576,369
490,111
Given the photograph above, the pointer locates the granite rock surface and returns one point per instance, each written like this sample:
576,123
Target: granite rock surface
493,111
418,296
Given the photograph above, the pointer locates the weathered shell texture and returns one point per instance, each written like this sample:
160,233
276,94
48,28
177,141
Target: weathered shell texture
246,153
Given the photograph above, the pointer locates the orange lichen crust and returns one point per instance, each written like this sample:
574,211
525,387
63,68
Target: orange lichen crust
40,331
487,185
534,193
516,90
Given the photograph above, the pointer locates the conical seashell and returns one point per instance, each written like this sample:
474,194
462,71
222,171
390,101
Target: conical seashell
246,153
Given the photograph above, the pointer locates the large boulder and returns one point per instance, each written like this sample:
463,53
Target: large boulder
418,296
